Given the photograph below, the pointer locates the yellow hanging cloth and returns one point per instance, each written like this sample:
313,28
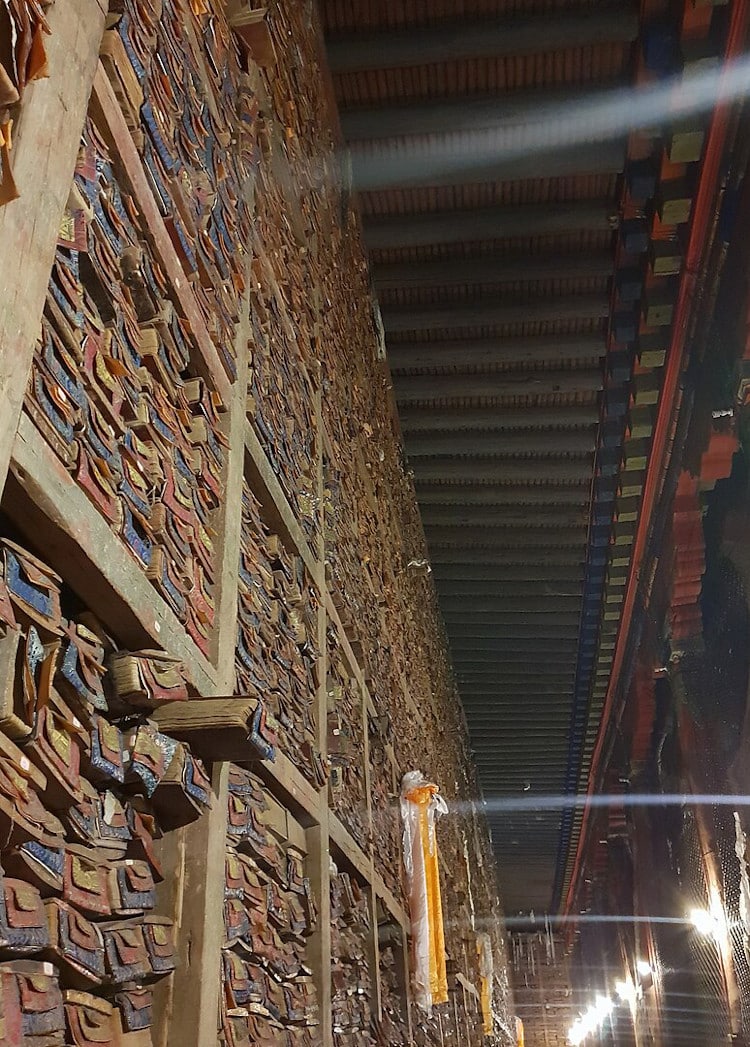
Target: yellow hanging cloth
420,805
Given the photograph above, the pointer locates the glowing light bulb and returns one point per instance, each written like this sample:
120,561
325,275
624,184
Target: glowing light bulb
705,922
643,968
626,991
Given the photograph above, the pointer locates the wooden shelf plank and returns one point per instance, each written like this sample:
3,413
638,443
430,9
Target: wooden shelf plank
291,788
125,155
47,140
44,500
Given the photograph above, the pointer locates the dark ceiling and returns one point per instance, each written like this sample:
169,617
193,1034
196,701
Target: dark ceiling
488,215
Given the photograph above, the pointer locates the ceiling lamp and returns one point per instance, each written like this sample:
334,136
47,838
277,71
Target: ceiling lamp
705,922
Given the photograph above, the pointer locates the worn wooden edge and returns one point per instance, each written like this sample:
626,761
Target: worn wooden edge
47,137
291,788
275,505
197,980
347,847
396,910
125,155
49,508
230,529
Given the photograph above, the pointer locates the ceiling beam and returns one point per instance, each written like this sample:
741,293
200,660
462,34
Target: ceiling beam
524,573
447,419
386,232
486,38
489,537
428,445
497,155
498,313
516,557
491,269
577,469
437,116
481,629
545,606
416,388
539,516
517,495
464,646
491,353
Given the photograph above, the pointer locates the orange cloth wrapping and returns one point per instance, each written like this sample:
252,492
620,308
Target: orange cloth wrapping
420,806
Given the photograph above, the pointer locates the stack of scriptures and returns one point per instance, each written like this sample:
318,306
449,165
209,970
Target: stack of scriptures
269,912
88,783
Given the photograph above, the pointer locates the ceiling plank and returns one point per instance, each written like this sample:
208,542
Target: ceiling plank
488,557
420,388
421,419
493,469
576,492
453,41
492,353
495,313
429,445
497,155
491,269
466,112
538,516
386,232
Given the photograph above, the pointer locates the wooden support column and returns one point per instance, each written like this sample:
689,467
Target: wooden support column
194,1016
47,137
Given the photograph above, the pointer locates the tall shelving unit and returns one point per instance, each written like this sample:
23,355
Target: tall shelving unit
49,509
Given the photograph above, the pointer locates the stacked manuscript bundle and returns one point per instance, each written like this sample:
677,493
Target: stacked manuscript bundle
276,652
384,795
115,394
175,69
346,744
269,912
351,982
88,783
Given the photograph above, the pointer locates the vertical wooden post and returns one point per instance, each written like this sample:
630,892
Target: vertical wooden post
201,934
197,982
47,138
318,835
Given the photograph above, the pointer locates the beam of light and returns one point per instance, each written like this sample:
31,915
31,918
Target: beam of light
608,116
530,802
598,918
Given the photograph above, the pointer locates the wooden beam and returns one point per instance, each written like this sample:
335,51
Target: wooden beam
498,313
455,41
492,269
578,443
492,156
463,112
540,516
543,605
489,630
386,232
492,353
468,469
451,419
526,608
46,141
417,388
490,537
463,610
517,495
447,572
487,557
